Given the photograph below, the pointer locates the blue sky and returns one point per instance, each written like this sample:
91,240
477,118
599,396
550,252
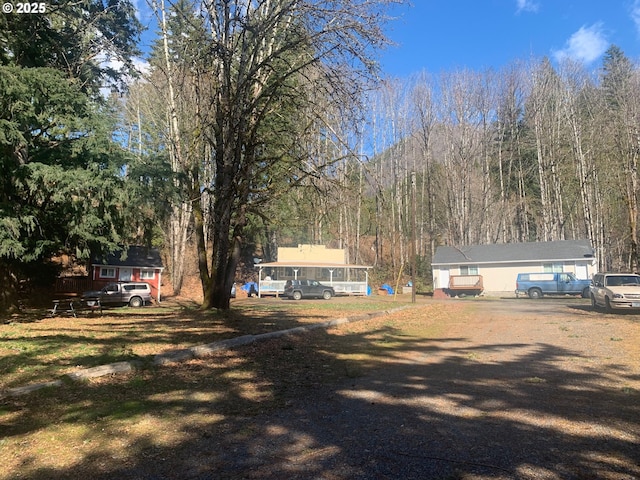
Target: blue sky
447,35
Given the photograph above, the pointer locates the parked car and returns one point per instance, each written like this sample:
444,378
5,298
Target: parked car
298,289
134,294
615,291
535,285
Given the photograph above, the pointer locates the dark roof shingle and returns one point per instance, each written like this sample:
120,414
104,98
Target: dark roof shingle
514,252
133,256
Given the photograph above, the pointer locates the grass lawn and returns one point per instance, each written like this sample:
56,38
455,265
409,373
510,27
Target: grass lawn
456,376
35,348
84,428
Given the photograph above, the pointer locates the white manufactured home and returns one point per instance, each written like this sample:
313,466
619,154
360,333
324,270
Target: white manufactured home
499,264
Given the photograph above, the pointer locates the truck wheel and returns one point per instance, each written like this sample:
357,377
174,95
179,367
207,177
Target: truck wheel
135,302
585,293
296,295
535,293
326,295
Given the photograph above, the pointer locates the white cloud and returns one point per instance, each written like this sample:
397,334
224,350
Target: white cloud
528,6
586,45
139,64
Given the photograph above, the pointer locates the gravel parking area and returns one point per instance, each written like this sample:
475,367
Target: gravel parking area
505,389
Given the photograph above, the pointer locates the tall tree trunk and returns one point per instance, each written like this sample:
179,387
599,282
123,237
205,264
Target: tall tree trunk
545,202
201,248
8,289
181,212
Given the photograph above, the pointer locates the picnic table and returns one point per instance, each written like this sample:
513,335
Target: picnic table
59,308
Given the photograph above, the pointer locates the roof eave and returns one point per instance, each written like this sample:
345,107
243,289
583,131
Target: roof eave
125,266
310,264
472,262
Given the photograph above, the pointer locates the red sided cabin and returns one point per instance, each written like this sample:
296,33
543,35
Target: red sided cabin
132,264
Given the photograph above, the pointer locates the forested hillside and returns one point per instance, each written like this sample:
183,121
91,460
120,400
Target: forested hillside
532,152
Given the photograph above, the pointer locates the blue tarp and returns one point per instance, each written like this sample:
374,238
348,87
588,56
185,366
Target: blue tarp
250,287
388,288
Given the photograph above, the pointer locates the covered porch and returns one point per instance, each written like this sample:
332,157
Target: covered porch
345,279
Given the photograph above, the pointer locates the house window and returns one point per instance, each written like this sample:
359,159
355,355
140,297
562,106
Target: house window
552,267
107,272
468,270
147,274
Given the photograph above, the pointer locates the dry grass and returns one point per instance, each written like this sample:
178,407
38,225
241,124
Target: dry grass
37,348
83,427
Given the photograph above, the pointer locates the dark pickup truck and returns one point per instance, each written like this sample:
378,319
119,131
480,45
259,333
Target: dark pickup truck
134,294
298,289
535,285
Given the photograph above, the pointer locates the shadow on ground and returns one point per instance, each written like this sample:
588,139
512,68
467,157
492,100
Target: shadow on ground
378,404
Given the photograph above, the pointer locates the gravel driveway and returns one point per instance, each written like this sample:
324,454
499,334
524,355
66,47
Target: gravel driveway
508,389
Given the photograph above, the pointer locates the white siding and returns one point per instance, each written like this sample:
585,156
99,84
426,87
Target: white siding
502,277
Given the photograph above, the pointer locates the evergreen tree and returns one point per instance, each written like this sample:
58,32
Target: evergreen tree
61,189
84,40
620,84
617,72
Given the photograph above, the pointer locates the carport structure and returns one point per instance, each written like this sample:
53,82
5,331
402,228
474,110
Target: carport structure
344,278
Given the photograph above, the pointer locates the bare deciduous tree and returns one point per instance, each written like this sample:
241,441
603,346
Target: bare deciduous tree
180,216
262,57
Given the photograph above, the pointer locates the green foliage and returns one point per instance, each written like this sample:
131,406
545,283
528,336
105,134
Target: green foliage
186,34
617,72
41,115
61,190
74,38
150,192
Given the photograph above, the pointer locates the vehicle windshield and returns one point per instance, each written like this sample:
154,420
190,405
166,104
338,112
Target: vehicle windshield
619,280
